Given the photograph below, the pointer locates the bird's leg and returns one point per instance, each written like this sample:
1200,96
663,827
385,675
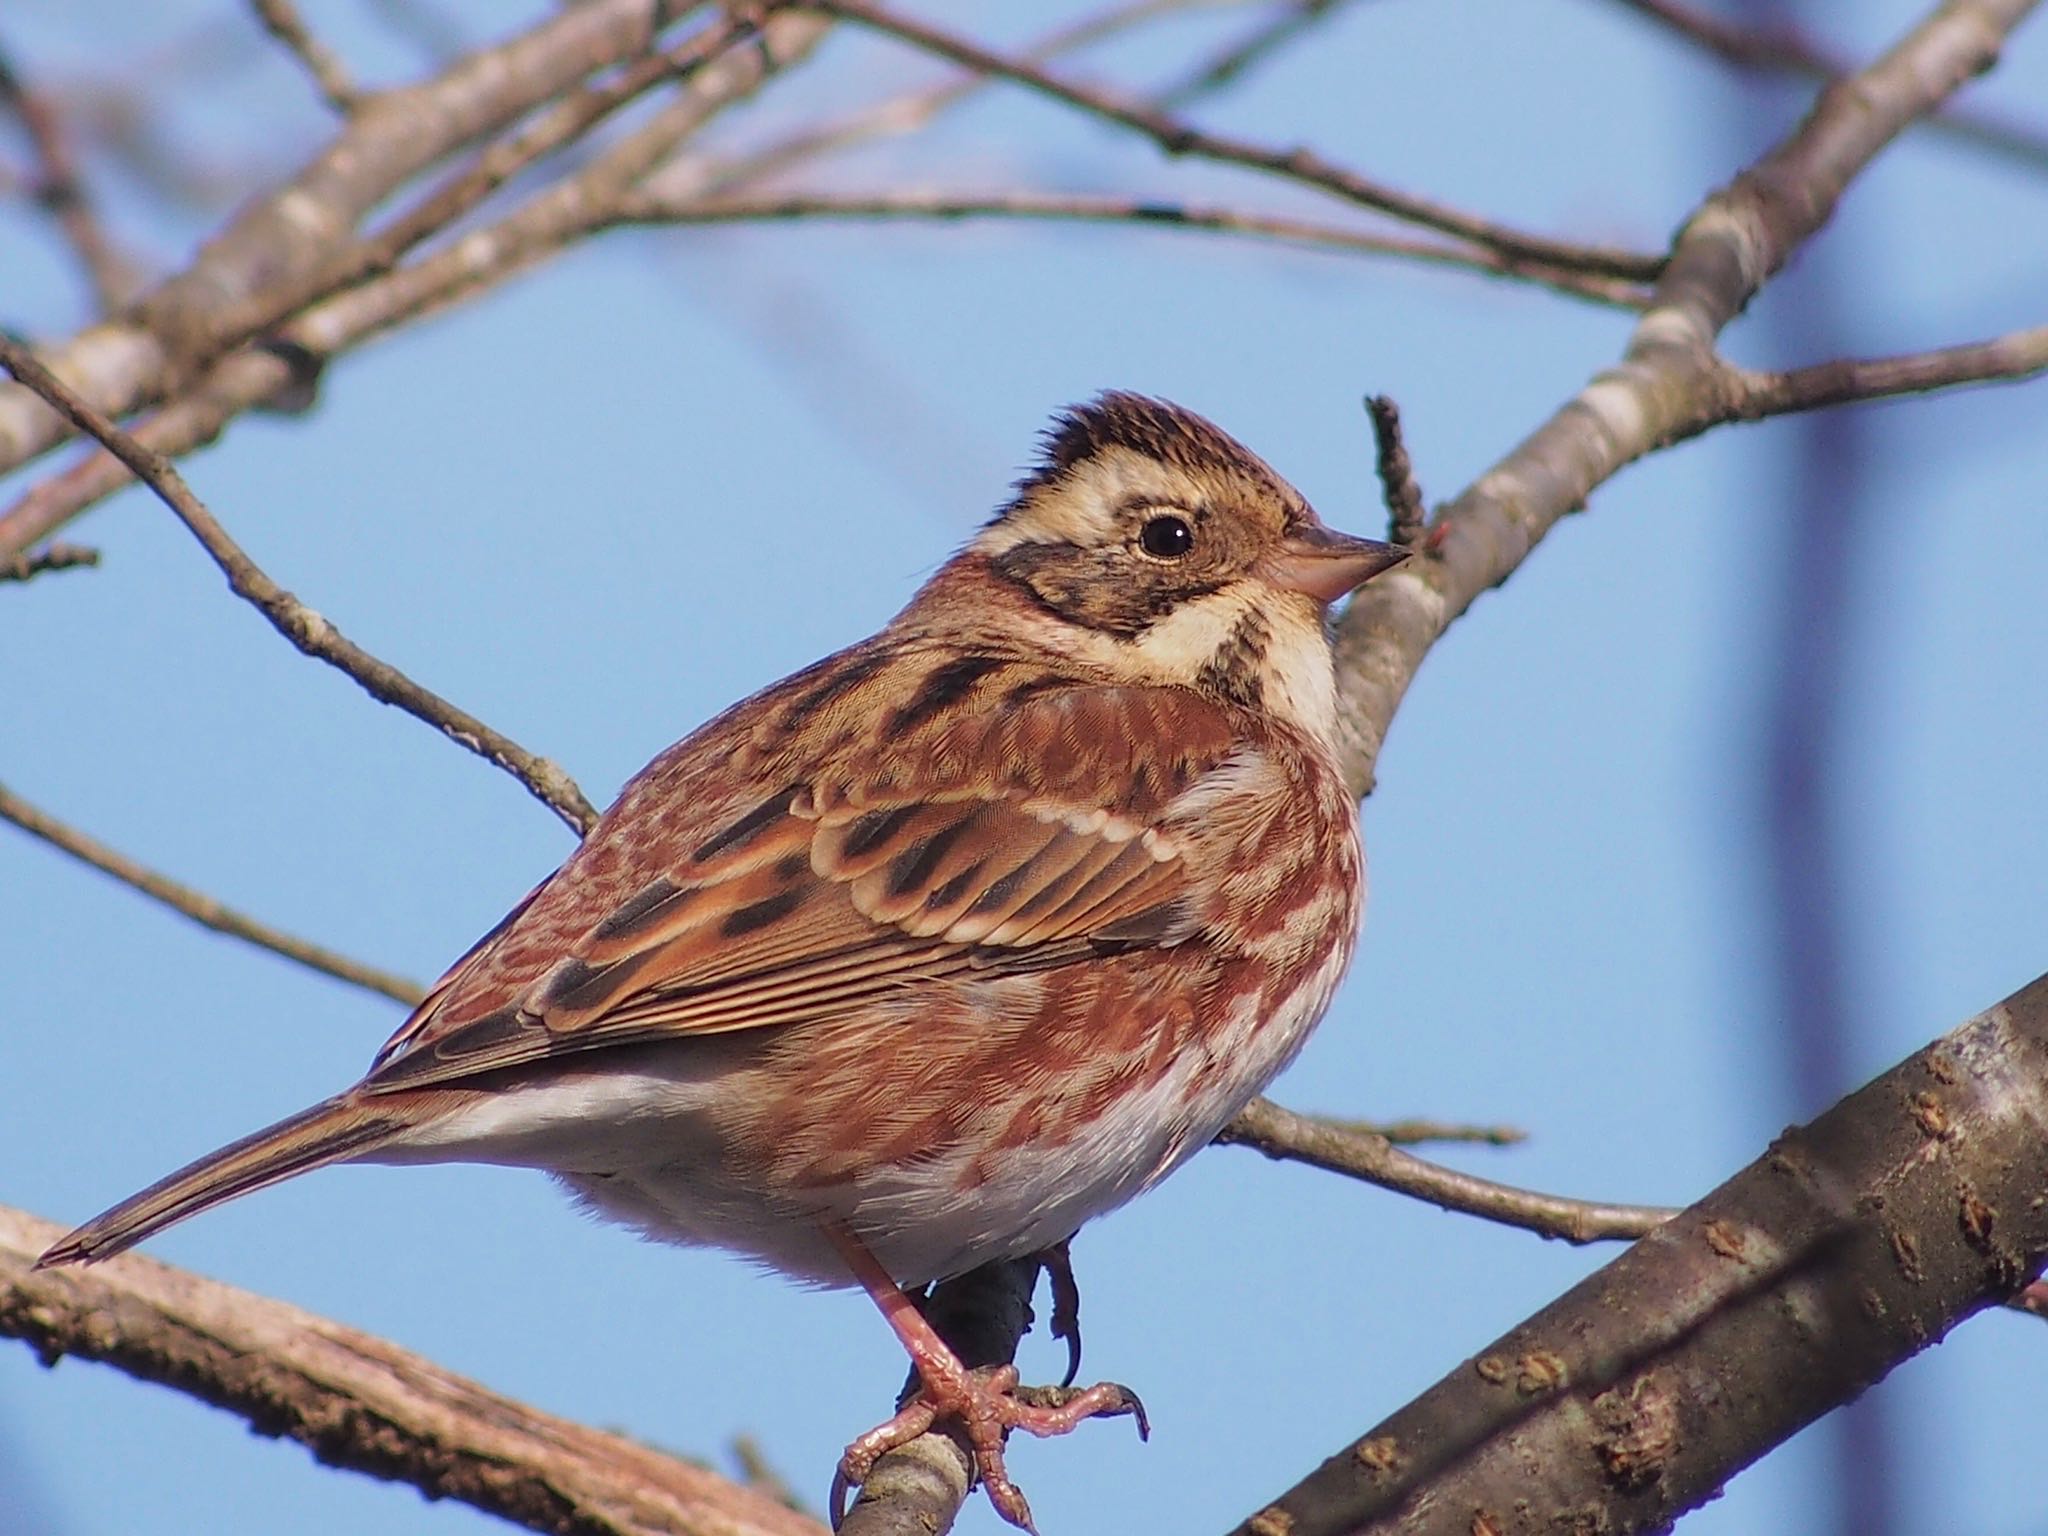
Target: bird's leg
987,1403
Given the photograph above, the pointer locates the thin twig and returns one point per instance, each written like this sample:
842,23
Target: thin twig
200,907
51,557
477,260
2011,358
1405,515
912,110
60,190
1241,57
1790,51
282,21
760,1474
1415,1131
1339,1148
686,207
1302,167
294,620
567,122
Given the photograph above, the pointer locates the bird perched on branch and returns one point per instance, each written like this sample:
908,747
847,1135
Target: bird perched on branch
926,955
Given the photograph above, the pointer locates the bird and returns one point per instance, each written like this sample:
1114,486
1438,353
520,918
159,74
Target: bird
935,950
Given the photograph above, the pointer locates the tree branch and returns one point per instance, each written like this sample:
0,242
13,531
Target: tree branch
1728,250
281,19
123,366
2009,358
1669,378
60,189
471,264
51,557
651,207
200,907
358,1402
1851,1245
1301,166
1360,1153
1789,51
291,618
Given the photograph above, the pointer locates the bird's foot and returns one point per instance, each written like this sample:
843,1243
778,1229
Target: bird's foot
988,1404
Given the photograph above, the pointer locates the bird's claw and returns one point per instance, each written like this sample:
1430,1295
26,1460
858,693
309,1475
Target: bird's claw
987,1404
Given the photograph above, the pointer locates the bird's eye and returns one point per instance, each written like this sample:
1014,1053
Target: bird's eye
1167,537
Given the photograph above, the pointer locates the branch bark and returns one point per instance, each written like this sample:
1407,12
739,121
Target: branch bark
358,1402
1667,385
1670,382
1851,1245
291,618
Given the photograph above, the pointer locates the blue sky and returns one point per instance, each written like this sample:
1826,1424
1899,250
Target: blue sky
609,499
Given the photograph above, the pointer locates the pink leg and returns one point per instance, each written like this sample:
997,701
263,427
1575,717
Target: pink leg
986,1402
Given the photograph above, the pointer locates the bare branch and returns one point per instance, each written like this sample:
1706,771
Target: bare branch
2003,359
912,110
1669,376
1730,248
1849,1246
51,557
297,623
1416,1131
565,123
1405,515
200,907
1359,1153
396,134
473,263
1788,50
650,207
1302,167
60,189
358,1402
330,76
1240,58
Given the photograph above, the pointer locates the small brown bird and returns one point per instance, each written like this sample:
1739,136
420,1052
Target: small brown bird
926,955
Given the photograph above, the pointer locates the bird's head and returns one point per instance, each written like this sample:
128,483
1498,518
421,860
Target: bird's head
1156,546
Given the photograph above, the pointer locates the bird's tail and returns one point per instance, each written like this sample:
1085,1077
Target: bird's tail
328,1132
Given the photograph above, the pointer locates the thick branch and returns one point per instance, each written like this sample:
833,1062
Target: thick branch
123,366
293,619
1669,378
1851,1245
358,1402
480,258
1789,50
1732,246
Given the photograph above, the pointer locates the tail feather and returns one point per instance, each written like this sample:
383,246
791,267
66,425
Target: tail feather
326,1133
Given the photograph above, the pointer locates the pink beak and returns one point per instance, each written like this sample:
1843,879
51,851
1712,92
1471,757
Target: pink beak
1324,565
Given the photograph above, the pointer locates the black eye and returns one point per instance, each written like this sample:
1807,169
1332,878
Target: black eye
1166,537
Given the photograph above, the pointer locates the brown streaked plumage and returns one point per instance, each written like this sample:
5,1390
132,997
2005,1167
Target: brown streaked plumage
924,956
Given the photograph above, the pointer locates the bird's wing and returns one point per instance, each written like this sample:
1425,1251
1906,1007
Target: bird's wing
1015,829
